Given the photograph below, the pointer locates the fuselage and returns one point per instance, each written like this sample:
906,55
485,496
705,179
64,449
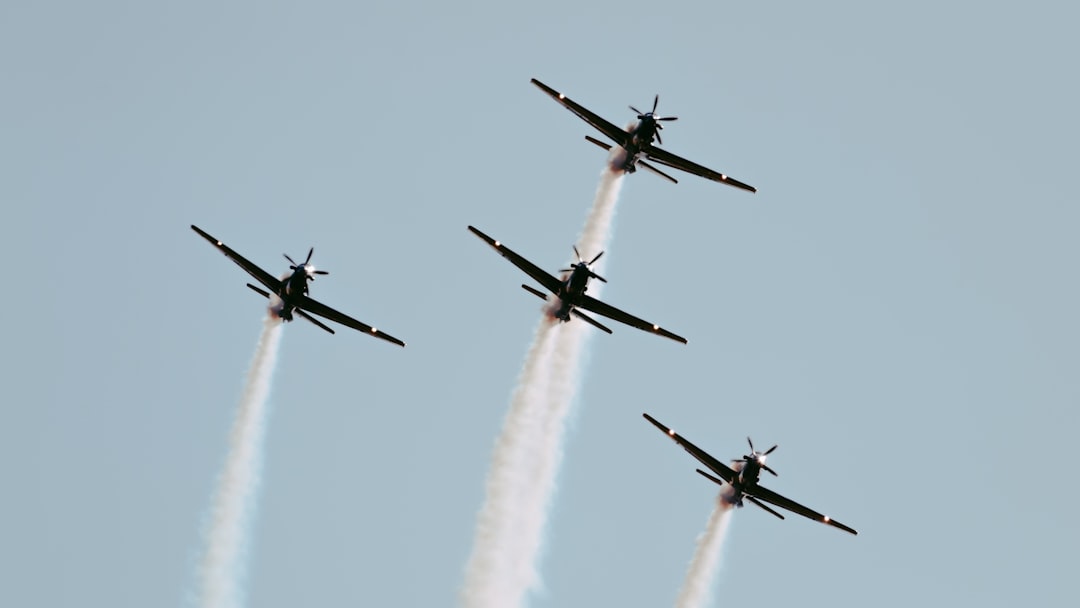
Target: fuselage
642,134
571,291
747,473
293,285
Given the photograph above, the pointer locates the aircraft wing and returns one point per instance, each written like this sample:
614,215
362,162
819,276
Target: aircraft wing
549,282
619,136
609,311
786,503
260,275
677,162
318,308
725,472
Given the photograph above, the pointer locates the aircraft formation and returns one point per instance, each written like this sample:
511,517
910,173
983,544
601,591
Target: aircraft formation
566,295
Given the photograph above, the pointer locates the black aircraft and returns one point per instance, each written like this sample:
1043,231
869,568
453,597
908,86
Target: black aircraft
571,291
637,141
743,478
289,293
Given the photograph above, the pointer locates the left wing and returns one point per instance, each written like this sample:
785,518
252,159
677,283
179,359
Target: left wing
260,275
721,469
615,134
677,162
786,503
549,282
318,308
609,311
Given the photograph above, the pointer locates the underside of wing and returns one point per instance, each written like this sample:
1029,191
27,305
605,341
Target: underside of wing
619,136
260,275
725,472
318,308
609,311
549,282
769,496
677,162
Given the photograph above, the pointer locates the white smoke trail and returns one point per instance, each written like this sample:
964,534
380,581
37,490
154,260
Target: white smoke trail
696,588
500,569
509,533
233,510
570,341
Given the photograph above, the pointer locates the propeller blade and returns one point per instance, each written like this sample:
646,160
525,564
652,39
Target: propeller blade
596,276
596,258
751,444
635,111
659,140
578,254
766,467
668,118
290,260
322,272
308,260
567,270
770,450
655,101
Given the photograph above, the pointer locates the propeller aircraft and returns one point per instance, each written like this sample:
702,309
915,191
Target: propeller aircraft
570,291
743,475
636,142
289,294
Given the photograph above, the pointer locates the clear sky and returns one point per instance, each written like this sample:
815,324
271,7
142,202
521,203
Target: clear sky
896,307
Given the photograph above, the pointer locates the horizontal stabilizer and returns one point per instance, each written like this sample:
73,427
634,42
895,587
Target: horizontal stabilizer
762,505
715,480
258,291
657,171
534,291
603,145
577,313
313,320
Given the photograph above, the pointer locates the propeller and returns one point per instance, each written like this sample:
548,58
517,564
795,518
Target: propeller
760,456
652,116
308,269
583,264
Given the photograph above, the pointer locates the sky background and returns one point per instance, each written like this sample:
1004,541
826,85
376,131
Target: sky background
896,306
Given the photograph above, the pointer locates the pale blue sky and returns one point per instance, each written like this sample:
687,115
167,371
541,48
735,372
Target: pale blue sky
896,307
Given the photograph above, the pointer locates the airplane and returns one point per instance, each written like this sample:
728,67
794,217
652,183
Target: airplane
637,142
571,291
289,294
742,476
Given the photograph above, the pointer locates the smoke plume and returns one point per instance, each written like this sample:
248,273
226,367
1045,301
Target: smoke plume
233,511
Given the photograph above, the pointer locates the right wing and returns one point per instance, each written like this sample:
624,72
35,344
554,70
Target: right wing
260,275
721,469
609,311
677,162
615,134
315,307
786,503
549,282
